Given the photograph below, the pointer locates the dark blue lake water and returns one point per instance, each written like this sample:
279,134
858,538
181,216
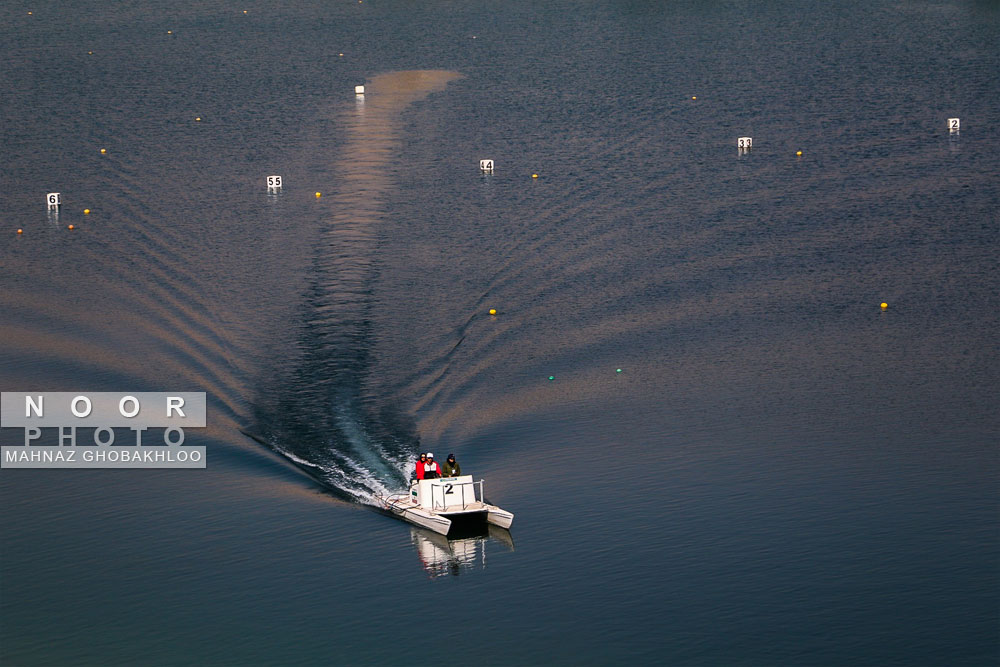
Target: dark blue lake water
718,448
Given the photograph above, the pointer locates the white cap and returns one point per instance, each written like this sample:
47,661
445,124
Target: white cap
430,455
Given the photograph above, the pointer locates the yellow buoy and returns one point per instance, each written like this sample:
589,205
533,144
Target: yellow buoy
90,53
799,153
103,151
318,195
20,231
86,211
341,55
493,311
70,227
244,11
693,97
534,175
198,119
170,32
884,305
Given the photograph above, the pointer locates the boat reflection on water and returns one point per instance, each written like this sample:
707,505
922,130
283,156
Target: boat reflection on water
441,556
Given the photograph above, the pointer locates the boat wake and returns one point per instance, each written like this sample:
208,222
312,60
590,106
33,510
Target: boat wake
329,419
350,477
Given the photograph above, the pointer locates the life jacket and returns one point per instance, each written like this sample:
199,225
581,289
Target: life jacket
431,470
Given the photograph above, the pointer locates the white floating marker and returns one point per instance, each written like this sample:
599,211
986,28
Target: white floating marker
273,183
744,143
359,90
54,200
954,125
486,165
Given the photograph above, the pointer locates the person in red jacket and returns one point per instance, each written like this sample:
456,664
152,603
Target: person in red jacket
431,469
420,465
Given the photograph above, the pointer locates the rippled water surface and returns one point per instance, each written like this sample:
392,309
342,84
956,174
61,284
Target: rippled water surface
718,448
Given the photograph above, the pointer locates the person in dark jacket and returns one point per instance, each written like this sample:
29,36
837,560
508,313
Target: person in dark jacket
431,469
420,465
451,467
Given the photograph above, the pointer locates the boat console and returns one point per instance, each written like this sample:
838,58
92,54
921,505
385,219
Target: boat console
448,494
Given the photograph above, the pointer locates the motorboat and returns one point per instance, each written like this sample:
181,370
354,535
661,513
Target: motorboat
446,504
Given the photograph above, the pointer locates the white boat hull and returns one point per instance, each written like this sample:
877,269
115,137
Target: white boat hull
437,504
441,522
438,524
499,517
